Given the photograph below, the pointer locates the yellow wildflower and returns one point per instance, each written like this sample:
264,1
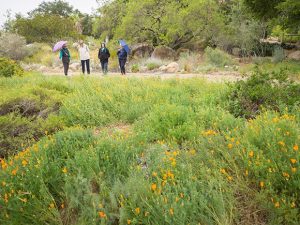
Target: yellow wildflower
24,162
128,221
154,174
153,187
230,146
285,174
51,206
173,163
294,170
281,143
14,172
230,178
170,174
251,154
295,148
193,152
64,170
261,184
137,210
102,214
277,205
171,211
293,161
293,205
223,171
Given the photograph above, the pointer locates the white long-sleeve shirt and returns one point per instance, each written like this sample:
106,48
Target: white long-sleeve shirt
84,52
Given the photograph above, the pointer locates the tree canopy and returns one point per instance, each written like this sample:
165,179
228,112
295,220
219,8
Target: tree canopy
57,7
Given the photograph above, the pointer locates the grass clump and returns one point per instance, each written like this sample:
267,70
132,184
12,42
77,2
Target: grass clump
217,57
9,68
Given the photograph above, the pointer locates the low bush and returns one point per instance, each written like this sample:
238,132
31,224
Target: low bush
217,57
278,55
189,62
135,68
152,66
13,46
263,90
9,68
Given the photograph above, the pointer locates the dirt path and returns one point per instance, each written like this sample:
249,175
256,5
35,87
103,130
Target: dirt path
222,76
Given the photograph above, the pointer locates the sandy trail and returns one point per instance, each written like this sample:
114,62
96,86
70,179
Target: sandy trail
223,76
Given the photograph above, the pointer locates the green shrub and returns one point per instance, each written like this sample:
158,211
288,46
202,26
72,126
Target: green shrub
170,122
278,54
217,57
13,46
135,68
152,66
9,68
261,60
263,90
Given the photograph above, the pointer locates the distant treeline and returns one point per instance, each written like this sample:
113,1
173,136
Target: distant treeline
174,23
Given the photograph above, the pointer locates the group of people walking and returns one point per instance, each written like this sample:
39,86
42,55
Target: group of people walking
84,55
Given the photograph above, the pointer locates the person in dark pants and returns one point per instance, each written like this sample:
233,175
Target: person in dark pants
122,55
65,56
104,55
84,53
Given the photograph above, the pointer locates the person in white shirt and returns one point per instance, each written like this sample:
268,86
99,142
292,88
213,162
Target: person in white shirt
84,54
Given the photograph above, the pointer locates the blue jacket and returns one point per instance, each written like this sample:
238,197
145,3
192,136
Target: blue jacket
122,54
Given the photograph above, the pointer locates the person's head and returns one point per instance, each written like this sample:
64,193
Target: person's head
103,45
65,45
81,42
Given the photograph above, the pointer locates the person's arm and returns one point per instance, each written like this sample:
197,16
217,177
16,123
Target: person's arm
108,53
60,54
99,53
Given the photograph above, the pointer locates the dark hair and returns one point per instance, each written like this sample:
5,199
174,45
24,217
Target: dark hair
103,44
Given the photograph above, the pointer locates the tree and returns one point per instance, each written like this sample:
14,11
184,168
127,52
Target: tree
263,9
285,12
110,17
42,28
57,7
169,22
87,24
290,14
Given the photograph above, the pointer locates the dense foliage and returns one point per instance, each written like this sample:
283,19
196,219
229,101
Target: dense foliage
9,68
45,28
147,151
263,90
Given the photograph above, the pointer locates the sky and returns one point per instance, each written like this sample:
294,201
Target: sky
24,6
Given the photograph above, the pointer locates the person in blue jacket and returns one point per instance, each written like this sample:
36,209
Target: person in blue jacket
65,56
122,55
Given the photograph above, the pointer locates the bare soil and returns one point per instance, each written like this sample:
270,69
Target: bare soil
222,76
